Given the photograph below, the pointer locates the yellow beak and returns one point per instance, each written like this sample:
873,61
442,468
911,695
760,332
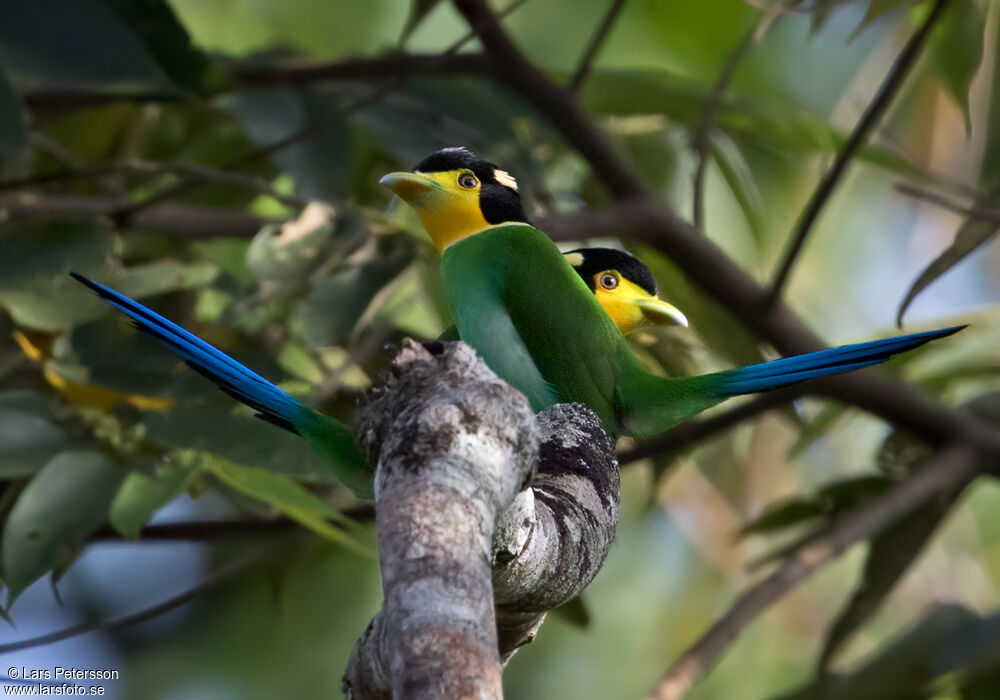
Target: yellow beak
660,313
410,186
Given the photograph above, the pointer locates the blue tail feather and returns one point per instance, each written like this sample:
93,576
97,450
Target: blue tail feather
272,404
788,370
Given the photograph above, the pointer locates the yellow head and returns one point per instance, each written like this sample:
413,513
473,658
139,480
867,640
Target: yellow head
456,195
625,288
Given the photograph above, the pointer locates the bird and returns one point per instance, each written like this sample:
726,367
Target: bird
624,287
516,299
631,299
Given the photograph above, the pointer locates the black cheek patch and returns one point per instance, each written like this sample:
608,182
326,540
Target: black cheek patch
500,204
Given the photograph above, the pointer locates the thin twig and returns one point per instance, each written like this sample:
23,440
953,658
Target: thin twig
692,432
187,220
917,192
217,577
876,108
596,42
703,137
190,170
66,158
950,467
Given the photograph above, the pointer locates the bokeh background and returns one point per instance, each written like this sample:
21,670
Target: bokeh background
105,107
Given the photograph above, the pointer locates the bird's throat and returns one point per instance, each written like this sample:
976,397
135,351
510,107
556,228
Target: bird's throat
449,225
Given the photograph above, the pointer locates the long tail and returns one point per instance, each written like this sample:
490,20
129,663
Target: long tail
799,368
654,404
332,439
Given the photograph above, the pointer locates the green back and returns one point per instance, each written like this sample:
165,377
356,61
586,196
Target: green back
524,309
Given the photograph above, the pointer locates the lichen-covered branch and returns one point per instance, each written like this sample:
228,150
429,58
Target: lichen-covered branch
460,532
553,541
453,445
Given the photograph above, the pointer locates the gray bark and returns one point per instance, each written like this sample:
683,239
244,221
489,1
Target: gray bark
459,532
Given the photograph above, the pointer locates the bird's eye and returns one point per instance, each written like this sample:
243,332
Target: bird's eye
468,181
608,280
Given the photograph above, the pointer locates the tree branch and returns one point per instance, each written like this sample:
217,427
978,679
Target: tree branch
459,530
596,42
394,67
217,577
873,113
453,445
554,102
553,540
189,221
694,431
190,170
972,209
950,468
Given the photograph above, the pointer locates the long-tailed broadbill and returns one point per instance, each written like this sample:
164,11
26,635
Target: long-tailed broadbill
518,302
624,285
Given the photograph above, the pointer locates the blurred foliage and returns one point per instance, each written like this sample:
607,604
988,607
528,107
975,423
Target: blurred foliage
100,425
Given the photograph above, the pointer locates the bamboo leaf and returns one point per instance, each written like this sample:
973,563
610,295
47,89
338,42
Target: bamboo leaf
289,498
65,502
973,233
957,51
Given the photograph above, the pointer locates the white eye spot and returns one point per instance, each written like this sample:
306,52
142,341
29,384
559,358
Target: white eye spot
505,179
608,280
468,181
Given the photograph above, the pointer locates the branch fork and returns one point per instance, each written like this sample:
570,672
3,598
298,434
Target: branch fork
471,557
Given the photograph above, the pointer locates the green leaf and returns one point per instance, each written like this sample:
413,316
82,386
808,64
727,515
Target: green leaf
287,254
162,276
27,442
35,261
336,303
289,498
210,424
973,233
228,254
741,181
77,45
61,506
956,50
13,119
878,9
828,502
821,11
27,401
155,23
779,516
320,164
140,496
419,9
116,356
776,122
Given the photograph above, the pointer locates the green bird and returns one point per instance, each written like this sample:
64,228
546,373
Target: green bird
518,301
624,285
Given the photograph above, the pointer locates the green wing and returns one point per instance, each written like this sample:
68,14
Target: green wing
529,315
476,299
